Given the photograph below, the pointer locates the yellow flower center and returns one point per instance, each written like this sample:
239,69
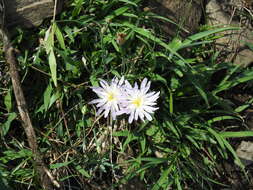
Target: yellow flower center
137,102
111,96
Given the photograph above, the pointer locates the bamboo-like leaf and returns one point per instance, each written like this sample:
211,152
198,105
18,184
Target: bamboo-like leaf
117,12
201,35
59,165
129,2
6,126
237,134
221,118
244,77
150,36
53,66
8,101
82,171
59,36
49,39
47,95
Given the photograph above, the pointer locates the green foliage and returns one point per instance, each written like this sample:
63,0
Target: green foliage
181,148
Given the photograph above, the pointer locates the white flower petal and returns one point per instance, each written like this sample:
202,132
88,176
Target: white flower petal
95,101
141,115
103,83
100,110
136,114
114,115
103,102
135,86
131,117
148,116
106,112
143,83
121,81
149,109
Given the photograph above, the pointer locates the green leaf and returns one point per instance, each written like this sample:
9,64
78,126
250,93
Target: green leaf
164,175
171,102
178,182
244,106
84,110
157,77
94,80
175,44
49,38
69,33
201,35
243,77
59,165
53,66
3,183
174,84
47,95
152,130
117,12
152,15
77,7
232,151
250,45
8,101
152,160
238,134
131,137
130,15
59,37
222,118
54,97
11,155
121,133
129,2
220,141
143,144
82,171
150,36
173,129
199,89
7,124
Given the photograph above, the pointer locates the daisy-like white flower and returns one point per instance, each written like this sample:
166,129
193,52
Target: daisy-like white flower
110,96
138,102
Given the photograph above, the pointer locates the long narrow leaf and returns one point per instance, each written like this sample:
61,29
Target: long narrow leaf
53,66
201,35
238,134
151,37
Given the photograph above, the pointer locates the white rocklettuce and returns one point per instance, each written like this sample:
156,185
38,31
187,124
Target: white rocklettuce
119,97
139,102
110,96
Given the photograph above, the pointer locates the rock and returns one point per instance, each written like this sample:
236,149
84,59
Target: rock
230,13
184,12
133,184
245,152
29,13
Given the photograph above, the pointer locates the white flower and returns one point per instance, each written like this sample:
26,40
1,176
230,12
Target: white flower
138,102
110,96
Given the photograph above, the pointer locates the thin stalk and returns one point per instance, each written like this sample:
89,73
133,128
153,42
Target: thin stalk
111,123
